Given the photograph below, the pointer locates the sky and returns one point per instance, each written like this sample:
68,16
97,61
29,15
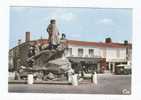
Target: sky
86,24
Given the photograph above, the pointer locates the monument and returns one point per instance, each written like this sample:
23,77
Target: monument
51,61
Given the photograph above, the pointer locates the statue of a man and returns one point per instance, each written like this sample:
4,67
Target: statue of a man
53,33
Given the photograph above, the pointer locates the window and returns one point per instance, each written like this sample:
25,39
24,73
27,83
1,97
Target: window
80,52
70,51
91,52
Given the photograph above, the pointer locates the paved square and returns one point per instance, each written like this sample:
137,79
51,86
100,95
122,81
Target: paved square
107,84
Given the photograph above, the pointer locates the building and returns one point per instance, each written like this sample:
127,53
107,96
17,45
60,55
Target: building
100,56
114,53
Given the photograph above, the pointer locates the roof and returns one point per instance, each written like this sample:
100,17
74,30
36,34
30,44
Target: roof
98,44
84,43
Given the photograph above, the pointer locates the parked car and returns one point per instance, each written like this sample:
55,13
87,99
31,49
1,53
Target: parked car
123,69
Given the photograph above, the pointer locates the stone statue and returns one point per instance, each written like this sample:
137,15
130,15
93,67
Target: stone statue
53,33
52,60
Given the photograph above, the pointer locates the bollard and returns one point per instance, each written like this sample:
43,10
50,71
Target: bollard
94,78
69,74
30,79
74,80
70,78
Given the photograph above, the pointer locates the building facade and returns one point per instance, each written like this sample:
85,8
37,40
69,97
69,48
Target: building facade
114,53
93,55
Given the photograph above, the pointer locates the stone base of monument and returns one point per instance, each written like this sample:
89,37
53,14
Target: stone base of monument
53,64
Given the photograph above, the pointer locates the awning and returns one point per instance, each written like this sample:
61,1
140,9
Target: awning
85,60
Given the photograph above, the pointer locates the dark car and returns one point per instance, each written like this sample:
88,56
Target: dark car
123,69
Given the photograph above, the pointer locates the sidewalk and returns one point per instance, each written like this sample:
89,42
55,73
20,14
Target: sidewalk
107,84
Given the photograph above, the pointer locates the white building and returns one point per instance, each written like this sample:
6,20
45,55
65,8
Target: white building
114,53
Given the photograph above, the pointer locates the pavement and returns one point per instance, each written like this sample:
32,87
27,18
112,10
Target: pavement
107,84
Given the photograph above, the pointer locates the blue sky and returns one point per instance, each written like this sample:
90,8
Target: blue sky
86,24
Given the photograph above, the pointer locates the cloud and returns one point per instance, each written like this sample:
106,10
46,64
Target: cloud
106,21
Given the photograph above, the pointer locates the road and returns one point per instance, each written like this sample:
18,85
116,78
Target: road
107,84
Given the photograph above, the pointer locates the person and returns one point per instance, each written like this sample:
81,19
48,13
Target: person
53,33
63,36
92,75
63,42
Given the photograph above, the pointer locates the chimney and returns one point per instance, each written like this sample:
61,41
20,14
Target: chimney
19,41
125,42
27,36
108,40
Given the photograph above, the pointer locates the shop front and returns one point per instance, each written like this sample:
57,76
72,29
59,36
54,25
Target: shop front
88,65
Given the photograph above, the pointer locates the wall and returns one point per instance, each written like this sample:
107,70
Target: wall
115,54
19,52
85,51
108,53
